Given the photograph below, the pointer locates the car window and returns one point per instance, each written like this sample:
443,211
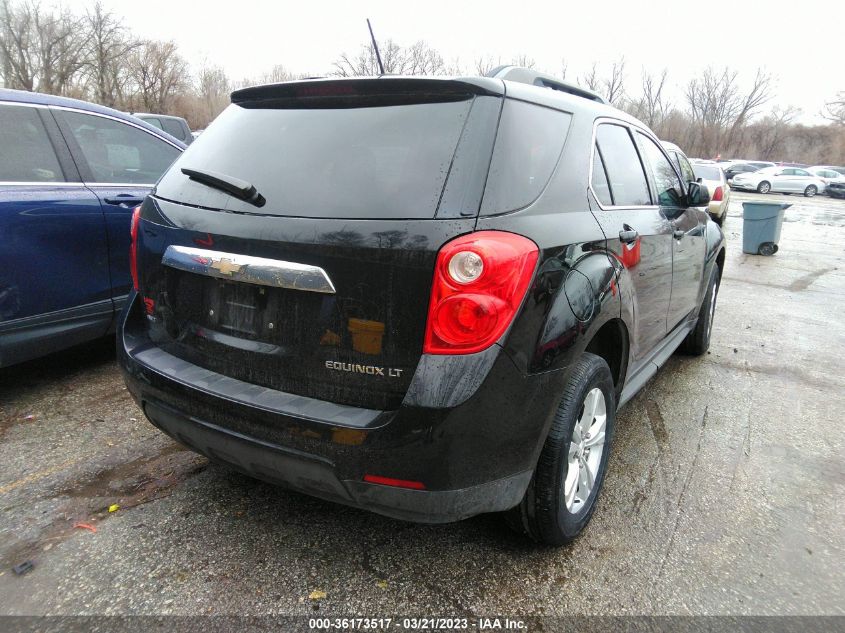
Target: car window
26,154
528,144
118,152
625,174
174,128
598,179
801,172
155,122
687,171
708,172
787,172
669,190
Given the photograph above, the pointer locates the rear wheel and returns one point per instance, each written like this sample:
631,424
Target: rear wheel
719,219
810,191
697,342
764,187
562,494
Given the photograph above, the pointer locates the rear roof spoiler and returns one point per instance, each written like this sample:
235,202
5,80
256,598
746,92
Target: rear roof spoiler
394,88
529,76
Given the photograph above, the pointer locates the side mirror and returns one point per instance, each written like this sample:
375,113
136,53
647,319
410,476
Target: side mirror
697,195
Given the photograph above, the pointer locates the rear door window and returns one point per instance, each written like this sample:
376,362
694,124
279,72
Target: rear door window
625,174
117,152
379,161
528,145
26,154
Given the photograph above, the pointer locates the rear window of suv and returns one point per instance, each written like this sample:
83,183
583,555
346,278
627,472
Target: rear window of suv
386,161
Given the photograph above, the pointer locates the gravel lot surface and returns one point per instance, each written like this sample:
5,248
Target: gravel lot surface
724,496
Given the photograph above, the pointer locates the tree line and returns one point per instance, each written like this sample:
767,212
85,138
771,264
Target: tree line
93,55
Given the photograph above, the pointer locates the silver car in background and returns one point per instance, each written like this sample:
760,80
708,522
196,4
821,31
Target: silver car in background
780,180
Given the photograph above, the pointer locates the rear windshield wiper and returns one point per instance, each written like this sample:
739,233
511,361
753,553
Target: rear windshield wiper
235,187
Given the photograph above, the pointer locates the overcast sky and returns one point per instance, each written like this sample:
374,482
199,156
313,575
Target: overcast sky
799,43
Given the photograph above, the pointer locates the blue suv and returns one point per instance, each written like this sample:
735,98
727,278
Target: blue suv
70,174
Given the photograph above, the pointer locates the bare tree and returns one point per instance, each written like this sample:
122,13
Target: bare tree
835,110
484,65
110,44
613,86
564,67
651,107
159,73
41,49
720,110
591,79
212,88
365,63
17,52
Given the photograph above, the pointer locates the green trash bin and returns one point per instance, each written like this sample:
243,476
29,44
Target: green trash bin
761,222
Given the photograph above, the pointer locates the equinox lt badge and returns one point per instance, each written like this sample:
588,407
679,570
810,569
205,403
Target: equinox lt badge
372,370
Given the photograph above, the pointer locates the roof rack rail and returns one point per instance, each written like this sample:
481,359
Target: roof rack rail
529,76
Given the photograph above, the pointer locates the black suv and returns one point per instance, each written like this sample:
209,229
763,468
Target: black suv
423,297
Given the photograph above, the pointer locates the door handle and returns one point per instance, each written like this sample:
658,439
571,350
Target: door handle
628,236
678,234
124,200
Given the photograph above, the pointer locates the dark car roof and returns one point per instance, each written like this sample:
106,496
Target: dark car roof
21,96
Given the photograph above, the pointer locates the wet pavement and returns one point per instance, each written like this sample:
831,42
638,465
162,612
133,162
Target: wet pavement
724,496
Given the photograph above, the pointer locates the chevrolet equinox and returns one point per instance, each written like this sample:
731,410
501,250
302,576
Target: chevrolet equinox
422,297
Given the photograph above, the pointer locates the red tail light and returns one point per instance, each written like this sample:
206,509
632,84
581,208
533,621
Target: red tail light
480,280
133,246
717,195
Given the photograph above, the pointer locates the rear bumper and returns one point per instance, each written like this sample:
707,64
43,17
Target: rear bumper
474,454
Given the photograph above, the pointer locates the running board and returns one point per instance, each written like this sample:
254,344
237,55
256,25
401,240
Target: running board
654,362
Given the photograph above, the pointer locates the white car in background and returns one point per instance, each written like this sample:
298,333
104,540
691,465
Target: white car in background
827,175
780,180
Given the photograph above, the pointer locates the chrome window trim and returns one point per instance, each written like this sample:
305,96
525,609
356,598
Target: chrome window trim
629,128
57,183
245,268
40,183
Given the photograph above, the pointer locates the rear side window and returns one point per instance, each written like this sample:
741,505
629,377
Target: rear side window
154,122
708,172
528,145
625,175
669,191
26,154
117,152
174,128
385,161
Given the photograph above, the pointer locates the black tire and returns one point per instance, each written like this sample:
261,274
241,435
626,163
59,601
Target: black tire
697,342
719,219
764,187
542,514
767,248
810,191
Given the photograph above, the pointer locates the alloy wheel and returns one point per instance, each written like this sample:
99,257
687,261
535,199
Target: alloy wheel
586,447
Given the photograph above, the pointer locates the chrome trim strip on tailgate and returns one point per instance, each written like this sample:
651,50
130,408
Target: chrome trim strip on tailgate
244,268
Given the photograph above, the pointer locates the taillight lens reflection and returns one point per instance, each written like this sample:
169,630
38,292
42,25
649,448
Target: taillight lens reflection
133,246
480,280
